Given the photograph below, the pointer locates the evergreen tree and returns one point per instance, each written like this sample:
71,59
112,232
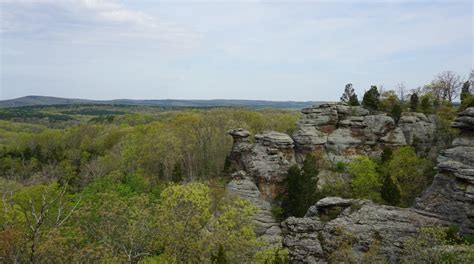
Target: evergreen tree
465,93
396,112
390,191
414,102
353,100
371,98
177,174
302,187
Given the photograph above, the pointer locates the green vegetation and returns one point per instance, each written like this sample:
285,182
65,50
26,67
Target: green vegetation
366,182
98,189
437,245
397,180
121,219
302,191
371,99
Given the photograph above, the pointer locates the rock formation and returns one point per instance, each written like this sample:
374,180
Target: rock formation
334,221
338,132
451,195
343,132
266,161
449,200
266,226
261,169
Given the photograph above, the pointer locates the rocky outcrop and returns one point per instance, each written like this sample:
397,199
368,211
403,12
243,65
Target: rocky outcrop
266,226
337,131
336,224
451,195
266,161
343,132
420,131
359,224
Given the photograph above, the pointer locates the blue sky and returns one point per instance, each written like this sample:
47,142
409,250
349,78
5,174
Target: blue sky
271,50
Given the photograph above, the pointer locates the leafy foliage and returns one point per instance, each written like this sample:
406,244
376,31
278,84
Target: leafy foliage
366,182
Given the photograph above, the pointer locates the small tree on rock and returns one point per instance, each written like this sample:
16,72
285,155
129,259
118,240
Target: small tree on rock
414,100
371,98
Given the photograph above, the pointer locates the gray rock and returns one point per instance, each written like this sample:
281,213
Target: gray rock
266,225
420,130
309,238
451,195
333,201
465,119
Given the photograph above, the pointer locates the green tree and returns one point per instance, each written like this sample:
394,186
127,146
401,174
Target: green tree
349,97
467,99
408,172
396,112
465,90
371,98
189,231
366,182
426,105
390,191
353,100
414,102
302,187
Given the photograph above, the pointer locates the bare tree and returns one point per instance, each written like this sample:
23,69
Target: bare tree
348,92
401,89
448,85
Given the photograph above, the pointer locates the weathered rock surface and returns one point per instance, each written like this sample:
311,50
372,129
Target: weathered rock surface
451,195
266,226
344,132
333,221
266,161
420,130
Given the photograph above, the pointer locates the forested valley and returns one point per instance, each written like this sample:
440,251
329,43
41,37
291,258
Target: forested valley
136,184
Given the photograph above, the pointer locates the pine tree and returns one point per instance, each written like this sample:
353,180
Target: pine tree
414,102
302,187
353,101
371,98
465,93
390,191
396,112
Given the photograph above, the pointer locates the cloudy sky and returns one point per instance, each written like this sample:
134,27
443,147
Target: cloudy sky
191,49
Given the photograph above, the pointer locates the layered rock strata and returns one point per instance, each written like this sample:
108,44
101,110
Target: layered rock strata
451,195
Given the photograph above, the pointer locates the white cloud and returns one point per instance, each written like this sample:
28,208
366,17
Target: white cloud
89,22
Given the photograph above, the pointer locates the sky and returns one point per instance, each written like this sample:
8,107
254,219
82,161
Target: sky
228,49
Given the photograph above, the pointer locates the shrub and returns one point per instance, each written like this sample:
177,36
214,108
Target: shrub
366,182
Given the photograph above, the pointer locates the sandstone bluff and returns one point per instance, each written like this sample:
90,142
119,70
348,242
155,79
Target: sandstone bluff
339,133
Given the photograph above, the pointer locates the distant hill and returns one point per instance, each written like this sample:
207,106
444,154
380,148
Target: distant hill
47,100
